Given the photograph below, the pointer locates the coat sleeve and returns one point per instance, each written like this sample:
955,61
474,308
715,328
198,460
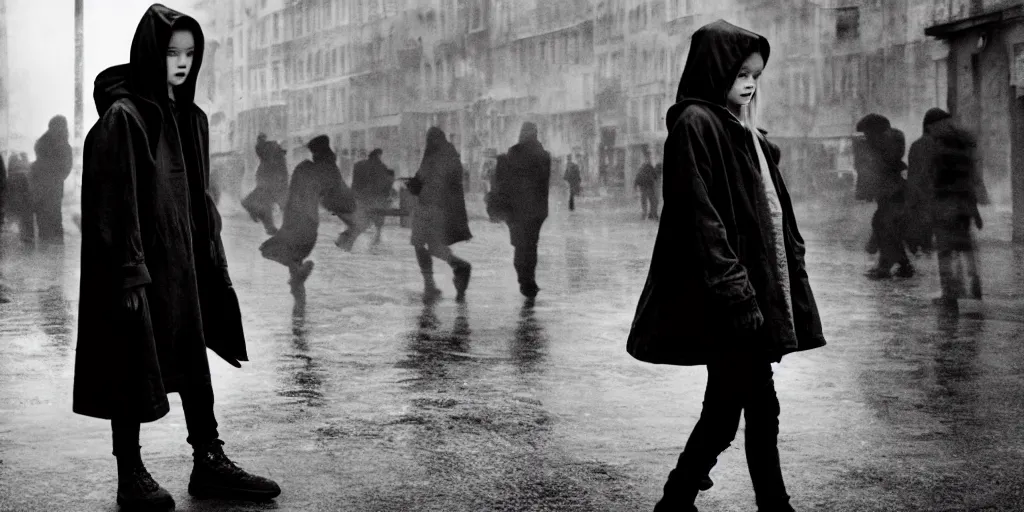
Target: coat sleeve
114,204
337,197
724,276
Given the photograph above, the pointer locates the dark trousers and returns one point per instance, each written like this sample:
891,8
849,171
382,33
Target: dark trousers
525,235
572,201
199,419
888,231
736,384
48,216
649,202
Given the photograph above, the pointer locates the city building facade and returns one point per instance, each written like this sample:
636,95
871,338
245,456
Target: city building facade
985,66
597,76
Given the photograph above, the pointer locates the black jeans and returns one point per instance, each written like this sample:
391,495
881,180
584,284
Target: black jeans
199,419
736,383
525,236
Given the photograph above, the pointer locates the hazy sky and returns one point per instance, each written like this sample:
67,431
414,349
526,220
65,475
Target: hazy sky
41,56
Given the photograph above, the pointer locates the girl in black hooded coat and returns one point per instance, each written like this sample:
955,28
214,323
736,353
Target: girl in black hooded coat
727,286
155,289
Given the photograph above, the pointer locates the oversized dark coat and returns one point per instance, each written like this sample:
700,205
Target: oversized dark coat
957,185
314,182
440,214
271,178
372,182
148,222
920,192
523,182
573,177
710,257
53,162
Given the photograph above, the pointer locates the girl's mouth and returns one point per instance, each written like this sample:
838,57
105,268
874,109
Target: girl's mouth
180,75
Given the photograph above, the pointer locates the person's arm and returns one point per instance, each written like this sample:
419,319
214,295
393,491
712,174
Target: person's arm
110,178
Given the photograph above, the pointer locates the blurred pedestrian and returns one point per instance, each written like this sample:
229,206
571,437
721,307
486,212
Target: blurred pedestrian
271,184
920,189
3,194
19,197
957,190
155,290
372,184
574,179
727,285
880,162
345,165
314,182
440,218
647,181
522,186
52,166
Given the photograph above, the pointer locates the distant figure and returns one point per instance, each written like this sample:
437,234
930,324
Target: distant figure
647,182
372,184
271,184
920,189
314,182
3,194
727,286
19,197
521,187
880,164
950,153
440,219
52,166
573,177
155,288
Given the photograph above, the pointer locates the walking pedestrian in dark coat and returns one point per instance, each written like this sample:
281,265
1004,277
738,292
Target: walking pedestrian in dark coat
3,193
372,184
573,177
314,182
271,184
727,286
52,166
957,187
522,183
19,197
155,289
920,177
440,218
647,182
881,163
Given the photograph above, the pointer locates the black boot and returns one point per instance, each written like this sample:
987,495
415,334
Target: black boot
215,476
462,270
136,489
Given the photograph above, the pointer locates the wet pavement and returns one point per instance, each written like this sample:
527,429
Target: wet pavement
363,398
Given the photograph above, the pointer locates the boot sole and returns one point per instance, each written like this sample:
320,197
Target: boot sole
230,493
164,504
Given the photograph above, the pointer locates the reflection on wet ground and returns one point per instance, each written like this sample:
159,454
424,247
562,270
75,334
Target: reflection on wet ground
359,396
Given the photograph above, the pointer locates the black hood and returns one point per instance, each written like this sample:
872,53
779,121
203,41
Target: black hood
146,74
717,50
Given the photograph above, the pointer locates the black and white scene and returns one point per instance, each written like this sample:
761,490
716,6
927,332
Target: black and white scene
512,255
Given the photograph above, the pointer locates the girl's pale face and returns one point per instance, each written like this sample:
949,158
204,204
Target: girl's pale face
745,86
179,57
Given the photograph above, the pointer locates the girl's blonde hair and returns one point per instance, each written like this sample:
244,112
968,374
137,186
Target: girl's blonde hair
750,114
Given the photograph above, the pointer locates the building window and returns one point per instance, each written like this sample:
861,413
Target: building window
277,76
277,27
848,24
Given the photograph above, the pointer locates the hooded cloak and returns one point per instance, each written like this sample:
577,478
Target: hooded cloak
148,222
712,261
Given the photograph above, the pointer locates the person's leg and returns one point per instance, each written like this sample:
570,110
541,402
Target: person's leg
643,202
136,488
378,222
654,203
460,267
426,264
713,433
214,475
761,411
970,258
